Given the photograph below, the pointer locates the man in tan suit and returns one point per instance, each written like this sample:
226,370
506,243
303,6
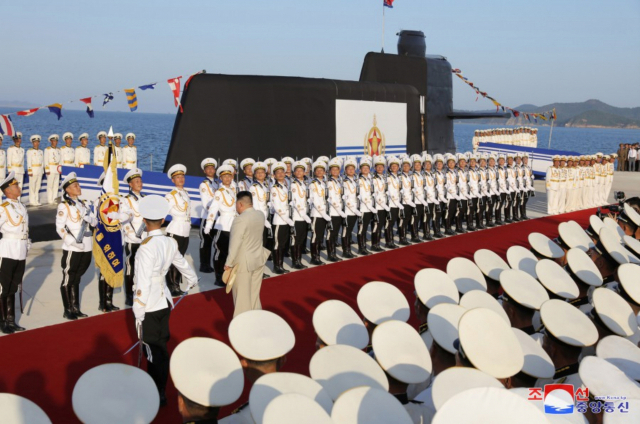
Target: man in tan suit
246,251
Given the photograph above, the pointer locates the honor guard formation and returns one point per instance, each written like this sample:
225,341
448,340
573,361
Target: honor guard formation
48,163
491,335
579,182
519,136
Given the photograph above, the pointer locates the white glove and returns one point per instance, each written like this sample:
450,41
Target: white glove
208,227
357,212
386,208
267,224
326,217
88,219
342,214
306,218
289,222
28,244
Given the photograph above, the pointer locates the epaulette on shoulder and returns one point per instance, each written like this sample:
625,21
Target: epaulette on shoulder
48,147
255,183
5,204
174,191
220,189
145,241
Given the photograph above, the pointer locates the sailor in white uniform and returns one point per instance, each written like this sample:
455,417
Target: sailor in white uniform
152,303
35,162
207,188
133,229
350,188
3,164
336,212
301,220
247,169
83,154
67,152
74,221
221,212
180,224
100,150
117,139
367,206
52,162
261,200
282,222
130,153
15,159
553,186
14,245
379,183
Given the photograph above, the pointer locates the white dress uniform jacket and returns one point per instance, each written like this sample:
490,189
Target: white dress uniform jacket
15,159
119,156
222,209
350,196
492,180
334,187
154,257
260,194
393,190
207,190
463,185
98,154
83,157
365,194
418,189
75,219
67,156
503,184
318,200
380,192
280,204
406,190
440,181
52,161
14,226
299,201
3,164
129,206
180,212
451,185
129,157
245,184
35,161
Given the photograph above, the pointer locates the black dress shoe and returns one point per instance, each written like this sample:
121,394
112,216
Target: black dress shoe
404,243
377,248
508,221
471,228
415,240
516,219
6,329
71,316
206,269
265,276
390,246
334,259
177,293
449,232
460,231
219,283
79,314
16,327
299,265
278,270
363,252
316,261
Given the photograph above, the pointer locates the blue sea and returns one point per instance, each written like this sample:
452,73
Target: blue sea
153,133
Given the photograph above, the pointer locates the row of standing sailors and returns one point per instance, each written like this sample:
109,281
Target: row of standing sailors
521,136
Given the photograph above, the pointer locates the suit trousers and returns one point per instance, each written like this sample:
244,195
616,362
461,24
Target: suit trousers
11,273
155,333
35,182
53,182
246,290
174,278
206,244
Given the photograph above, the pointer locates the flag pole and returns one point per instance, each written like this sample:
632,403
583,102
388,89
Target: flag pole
382,27
551,132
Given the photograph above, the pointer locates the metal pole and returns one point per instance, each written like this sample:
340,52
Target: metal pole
151,162
382,27
551,132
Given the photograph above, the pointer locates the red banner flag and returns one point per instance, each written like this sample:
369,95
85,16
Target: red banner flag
27,112
174,85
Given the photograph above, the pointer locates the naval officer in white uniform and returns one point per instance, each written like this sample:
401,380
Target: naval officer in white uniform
52,162
35,161
134,230
83,154
153,302
180,224
130,153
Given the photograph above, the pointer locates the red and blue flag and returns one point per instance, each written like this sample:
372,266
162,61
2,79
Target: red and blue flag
388,3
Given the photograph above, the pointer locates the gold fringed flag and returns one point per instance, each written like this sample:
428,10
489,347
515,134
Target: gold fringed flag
107,247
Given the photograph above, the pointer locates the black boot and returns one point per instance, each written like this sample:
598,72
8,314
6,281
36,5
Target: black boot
447,227
437,226
515,212
388,238
489,216
479,224
415,231
6,329
426,229
218,281
66,302
128,291
470,226
346,249
297,257
315,254
101,295
331,251
375,242
278,259
523,212
362,244
173,279
459,228
402,235
74,301
11,314
108,299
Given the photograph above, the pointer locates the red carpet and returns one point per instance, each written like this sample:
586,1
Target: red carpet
44,364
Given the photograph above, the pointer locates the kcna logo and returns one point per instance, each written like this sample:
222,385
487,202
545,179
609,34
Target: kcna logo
559,398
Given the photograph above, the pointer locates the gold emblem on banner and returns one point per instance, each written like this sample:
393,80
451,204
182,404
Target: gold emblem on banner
374,141
109,202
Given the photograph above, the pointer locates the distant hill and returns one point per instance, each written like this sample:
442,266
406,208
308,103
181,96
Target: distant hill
592,113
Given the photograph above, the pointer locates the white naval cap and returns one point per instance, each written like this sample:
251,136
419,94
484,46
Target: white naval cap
83,135
392,160
610,243
522,259
299,164
568,324
278,165
632,245
622,353
271,386
246,162
130,135
319,164
335,163
19,410
117,136
324,159
52,137
293,408
544,246
99,390
537,362
287,159
466,275
154,207
455,380
259,165
34,137
11,180
101,134
572,235
632,214
335,322
133,174
379,160
582,268
400,351
443,322
231,162
350,162
225,170
481,299
628,279
66,182
488,405
605,379
614,312
522,288
555,279
490,263
595,225
609,222
207,372
208,162
434,286
379,302
67,135
365,161
270,161
489,343
260,335
369,405
177,169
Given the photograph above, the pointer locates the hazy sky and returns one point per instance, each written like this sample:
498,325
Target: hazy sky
518,52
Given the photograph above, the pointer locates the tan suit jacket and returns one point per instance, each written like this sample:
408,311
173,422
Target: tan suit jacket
246,251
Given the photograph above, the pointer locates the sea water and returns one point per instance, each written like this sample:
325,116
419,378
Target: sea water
153,133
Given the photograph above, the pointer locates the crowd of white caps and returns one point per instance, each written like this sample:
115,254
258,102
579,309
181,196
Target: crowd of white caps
519,136
566,313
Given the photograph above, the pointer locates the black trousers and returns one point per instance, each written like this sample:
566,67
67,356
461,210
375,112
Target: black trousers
418,218
130,250
174,278
452,208
206,244
394,218
500,205
364,222
332,233
74,265
280,237
11,273
347,230
381,224
444,214
155,333
220,250
265,237
405,219
318,226
300,235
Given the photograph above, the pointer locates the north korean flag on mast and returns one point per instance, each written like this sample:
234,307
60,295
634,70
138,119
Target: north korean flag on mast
388,3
